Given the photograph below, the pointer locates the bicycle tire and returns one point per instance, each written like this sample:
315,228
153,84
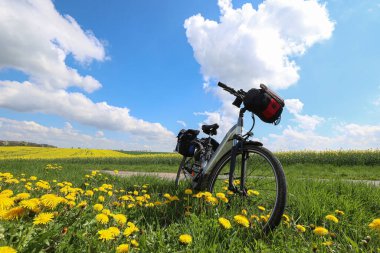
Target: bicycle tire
277,170
180,168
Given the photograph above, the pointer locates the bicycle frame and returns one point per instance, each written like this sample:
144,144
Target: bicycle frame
226,145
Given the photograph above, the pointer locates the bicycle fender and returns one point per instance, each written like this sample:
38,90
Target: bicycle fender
255,143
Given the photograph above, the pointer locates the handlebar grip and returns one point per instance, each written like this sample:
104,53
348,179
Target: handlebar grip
220,84
263,86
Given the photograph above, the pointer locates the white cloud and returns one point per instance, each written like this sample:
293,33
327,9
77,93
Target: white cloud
68,137
99,134
181,122
293,105
226,117
35,39
361,130
308,122
247,47
304,135
351,136
26,97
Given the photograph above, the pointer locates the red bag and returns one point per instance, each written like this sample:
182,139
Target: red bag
265,103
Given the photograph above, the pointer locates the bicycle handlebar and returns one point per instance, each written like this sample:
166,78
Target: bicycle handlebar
240,94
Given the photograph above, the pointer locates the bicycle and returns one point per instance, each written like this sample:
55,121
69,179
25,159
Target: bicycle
239,165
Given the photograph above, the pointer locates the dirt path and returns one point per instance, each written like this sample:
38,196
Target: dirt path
165,175
172,176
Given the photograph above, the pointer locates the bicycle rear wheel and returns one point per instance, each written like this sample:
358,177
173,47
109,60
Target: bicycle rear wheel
264,181
183,177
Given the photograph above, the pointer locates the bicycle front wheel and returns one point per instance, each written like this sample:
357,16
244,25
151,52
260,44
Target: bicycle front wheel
263,180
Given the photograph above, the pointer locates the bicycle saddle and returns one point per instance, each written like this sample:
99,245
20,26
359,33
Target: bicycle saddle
210,129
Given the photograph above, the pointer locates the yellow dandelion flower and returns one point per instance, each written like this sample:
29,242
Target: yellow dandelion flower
13,213
82,204
5,203
31,204
225,200
220,195
22,196
207,194
43,185
110,193
188,192
174,198
226,224
261,208
244,212
253,193
12,181
149,205
320,231
255,217
6,193
332,218
328,243
339,212
122,248
33,178
241,220
198,195
130,229
375,225
102,218
98,207
105,235
106,211
134,243
120,219
114,230
135,193
7,249
212,200
70,203
51,201
185,239
101,198
300,229
264,218
285,218
70,197
43,218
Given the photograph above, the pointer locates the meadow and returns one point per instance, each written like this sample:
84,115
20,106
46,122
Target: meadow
66,204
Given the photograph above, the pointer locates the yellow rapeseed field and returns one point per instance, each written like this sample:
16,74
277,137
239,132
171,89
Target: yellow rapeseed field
62,153
54,153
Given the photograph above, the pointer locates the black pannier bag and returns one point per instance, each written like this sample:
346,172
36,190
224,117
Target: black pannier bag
184,145
265,103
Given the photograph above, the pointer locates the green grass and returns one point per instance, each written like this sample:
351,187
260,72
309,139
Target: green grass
309,201
307,170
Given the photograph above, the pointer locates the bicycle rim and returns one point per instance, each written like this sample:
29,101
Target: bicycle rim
264,183
184,178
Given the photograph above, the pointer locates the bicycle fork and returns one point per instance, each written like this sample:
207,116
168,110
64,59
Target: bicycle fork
231,186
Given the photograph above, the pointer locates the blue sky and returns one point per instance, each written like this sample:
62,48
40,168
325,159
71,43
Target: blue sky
128,74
